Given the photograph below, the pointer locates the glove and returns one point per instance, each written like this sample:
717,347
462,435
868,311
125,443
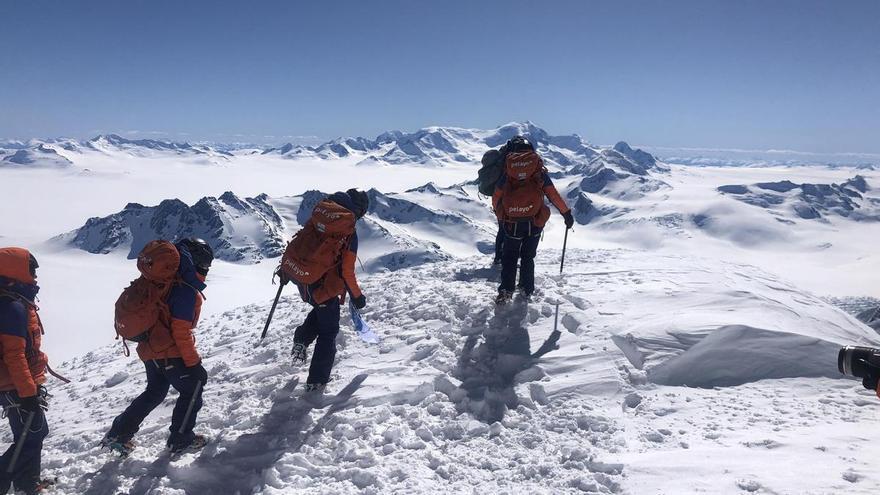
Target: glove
198,372
282,277
359,301
569,219
43,395
30,404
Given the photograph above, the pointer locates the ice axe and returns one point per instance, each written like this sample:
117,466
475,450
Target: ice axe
192,403
272,312
562,263
20,444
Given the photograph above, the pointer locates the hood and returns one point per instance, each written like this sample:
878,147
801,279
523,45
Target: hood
15,265
187,269
343,200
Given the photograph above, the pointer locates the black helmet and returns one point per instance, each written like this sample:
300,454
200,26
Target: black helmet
361,202
201,253
519,143
33,265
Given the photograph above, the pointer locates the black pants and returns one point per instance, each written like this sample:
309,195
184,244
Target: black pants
26,475
161,375
520,245
322,324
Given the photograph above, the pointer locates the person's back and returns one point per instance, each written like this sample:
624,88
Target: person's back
519,204
170,358
325,284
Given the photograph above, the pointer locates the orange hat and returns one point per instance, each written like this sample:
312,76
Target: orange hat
15,263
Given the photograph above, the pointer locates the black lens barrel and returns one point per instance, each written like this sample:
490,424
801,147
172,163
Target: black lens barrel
855,360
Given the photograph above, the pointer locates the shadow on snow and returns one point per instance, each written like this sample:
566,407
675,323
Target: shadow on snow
239,467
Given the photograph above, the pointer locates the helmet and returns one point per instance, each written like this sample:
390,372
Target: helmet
361,202
201,253
519,143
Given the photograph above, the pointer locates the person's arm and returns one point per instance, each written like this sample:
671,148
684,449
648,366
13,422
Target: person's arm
349,262
554,196
13,338
182,304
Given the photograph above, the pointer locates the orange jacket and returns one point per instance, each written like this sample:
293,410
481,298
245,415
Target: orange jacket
337,282
22,363
543,215
176,340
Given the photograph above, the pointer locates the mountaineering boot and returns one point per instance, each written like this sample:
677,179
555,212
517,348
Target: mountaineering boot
316,387
298,353
114,444
504,297
197,442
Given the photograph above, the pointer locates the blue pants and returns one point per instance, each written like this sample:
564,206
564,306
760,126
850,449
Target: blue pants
26,474
520,245
161,375
322,324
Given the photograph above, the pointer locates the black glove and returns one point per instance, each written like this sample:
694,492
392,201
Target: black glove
30,404
198,372
569,219
282,277
359,301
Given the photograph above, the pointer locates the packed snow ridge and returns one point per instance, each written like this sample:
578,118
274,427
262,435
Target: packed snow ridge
465,396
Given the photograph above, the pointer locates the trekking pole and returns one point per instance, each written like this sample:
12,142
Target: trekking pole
556,319
272,312
562,263
20,444
192,403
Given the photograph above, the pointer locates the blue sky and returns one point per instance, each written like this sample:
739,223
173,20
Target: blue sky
729,74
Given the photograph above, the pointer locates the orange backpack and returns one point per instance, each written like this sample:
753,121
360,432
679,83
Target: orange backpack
318,246
142,304
523,193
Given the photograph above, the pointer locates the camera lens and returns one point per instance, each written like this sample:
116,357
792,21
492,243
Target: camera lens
856,360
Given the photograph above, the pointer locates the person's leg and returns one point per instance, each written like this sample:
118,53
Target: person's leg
185,383
509,260
129,422
308,331
327,317
527,263
26,473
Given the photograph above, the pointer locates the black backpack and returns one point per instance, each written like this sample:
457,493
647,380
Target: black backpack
493,163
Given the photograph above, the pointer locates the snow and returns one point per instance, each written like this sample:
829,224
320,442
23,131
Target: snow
463,396
695,348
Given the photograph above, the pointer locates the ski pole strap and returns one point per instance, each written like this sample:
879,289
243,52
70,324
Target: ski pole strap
65,380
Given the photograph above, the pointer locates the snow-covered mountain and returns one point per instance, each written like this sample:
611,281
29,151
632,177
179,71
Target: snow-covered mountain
148,147
811,201
39,155
443,146
422,225
237,229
